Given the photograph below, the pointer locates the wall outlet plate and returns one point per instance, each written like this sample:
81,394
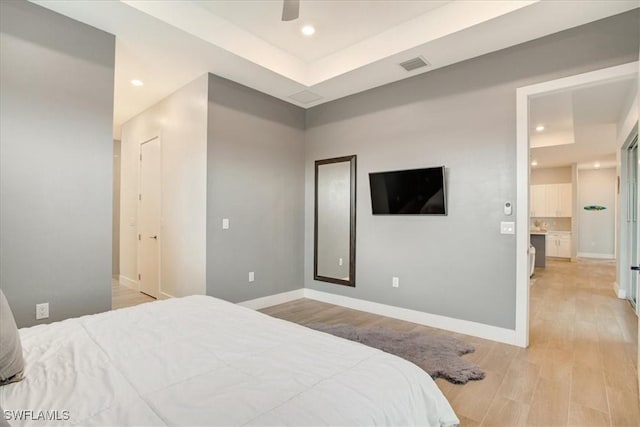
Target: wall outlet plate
252,276
42,311
395,282
225,223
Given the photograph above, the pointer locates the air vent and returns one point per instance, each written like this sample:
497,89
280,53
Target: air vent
414,64
305,97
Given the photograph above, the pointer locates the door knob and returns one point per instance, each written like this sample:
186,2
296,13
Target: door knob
635,267
154,237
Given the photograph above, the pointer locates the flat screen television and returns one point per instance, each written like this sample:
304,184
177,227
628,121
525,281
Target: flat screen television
409,192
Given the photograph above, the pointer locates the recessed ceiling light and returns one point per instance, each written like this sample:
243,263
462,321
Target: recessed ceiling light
539,128
596,165
534,163
308,30
137,82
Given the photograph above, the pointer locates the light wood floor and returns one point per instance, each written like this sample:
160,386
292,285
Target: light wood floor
121,296
580,367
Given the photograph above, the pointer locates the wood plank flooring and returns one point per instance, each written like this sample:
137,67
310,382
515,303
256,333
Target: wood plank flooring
121,296
579,370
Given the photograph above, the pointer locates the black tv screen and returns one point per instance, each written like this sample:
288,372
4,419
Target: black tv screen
408,192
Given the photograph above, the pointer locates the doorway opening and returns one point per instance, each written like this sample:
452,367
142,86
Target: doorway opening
525,126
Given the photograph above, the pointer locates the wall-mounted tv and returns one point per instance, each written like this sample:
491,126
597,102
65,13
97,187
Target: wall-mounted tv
409,192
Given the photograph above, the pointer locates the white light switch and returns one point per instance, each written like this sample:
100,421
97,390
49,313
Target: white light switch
225,223
251,276
395,282
507,228
339,261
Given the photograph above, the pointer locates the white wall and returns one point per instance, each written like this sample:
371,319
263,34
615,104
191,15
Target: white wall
597,228
559,175
115,246
180,120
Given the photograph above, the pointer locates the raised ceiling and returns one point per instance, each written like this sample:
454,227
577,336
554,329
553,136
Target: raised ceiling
358,44
338,24
581,125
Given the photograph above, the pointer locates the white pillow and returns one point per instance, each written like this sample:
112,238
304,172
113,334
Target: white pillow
11,361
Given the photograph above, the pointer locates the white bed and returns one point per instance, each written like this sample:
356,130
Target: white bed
203,361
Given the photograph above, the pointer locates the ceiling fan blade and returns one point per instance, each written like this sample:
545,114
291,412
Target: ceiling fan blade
290,10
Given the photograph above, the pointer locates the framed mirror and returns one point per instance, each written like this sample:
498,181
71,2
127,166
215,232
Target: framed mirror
334,258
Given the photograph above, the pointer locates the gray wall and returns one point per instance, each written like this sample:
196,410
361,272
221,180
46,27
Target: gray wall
255,177
462,116
56,144
597,228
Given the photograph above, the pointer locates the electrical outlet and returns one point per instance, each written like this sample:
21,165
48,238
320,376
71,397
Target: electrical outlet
252,276
395,282
42,311
339,261
225,223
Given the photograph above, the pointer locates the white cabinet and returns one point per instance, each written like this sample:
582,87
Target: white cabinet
559,245
551,200
538,202
565,200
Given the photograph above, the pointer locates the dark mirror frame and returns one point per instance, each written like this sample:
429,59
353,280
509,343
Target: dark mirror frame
352,223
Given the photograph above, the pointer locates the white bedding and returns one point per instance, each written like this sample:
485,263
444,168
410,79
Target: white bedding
202,361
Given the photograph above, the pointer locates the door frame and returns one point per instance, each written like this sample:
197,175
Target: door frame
624,266
523,96
138,216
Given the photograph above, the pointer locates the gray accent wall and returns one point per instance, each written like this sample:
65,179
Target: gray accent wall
255,178
462,116
56,148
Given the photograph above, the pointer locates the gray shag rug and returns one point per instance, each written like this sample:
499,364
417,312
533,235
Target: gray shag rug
438,355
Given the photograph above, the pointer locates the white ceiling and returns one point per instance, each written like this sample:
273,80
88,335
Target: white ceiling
358,44
581,125
339,24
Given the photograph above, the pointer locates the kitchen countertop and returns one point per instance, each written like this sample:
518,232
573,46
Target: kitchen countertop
545,232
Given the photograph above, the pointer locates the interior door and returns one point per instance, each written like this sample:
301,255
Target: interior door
149,218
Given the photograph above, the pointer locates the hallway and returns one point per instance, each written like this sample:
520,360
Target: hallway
122,296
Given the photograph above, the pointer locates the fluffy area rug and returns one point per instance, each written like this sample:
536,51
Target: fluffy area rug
438,355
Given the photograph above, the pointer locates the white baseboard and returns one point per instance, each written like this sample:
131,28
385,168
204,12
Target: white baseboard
621,293
271,300
596,256
494,333
129,283
164,295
